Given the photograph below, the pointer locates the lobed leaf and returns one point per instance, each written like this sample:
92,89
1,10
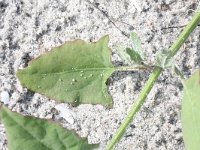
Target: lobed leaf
190,113
75,72
29,133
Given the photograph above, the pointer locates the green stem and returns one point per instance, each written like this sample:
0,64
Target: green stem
185,33
132,68
149,84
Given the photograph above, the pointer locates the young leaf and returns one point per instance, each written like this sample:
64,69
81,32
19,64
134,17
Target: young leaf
164,59
74,72
136,54
190,113
137,45
29,133
123,54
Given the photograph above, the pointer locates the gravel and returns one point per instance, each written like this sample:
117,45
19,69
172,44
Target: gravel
29,28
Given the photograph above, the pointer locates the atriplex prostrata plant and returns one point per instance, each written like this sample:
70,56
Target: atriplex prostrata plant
76,72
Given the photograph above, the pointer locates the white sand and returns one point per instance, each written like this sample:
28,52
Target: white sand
28,28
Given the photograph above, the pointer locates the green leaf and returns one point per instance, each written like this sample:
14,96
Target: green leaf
136,54
123,54
190,113
132,55
75,72
29,133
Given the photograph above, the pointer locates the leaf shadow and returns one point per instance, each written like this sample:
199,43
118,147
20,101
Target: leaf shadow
137,76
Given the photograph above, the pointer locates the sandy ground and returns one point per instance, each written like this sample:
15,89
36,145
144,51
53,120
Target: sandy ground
28,28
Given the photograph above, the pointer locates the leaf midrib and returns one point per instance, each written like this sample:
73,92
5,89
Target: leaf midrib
76,70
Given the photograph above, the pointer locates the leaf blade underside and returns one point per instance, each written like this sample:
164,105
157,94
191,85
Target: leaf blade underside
75,72
190,113
29,133
136,53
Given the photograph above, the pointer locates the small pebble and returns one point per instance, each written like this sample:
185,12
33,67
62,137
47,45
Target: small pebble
65,113
5,97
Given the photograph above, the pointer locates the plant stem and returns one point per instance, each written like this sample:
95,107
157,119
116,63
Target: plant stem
185,33
152,79
133,68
